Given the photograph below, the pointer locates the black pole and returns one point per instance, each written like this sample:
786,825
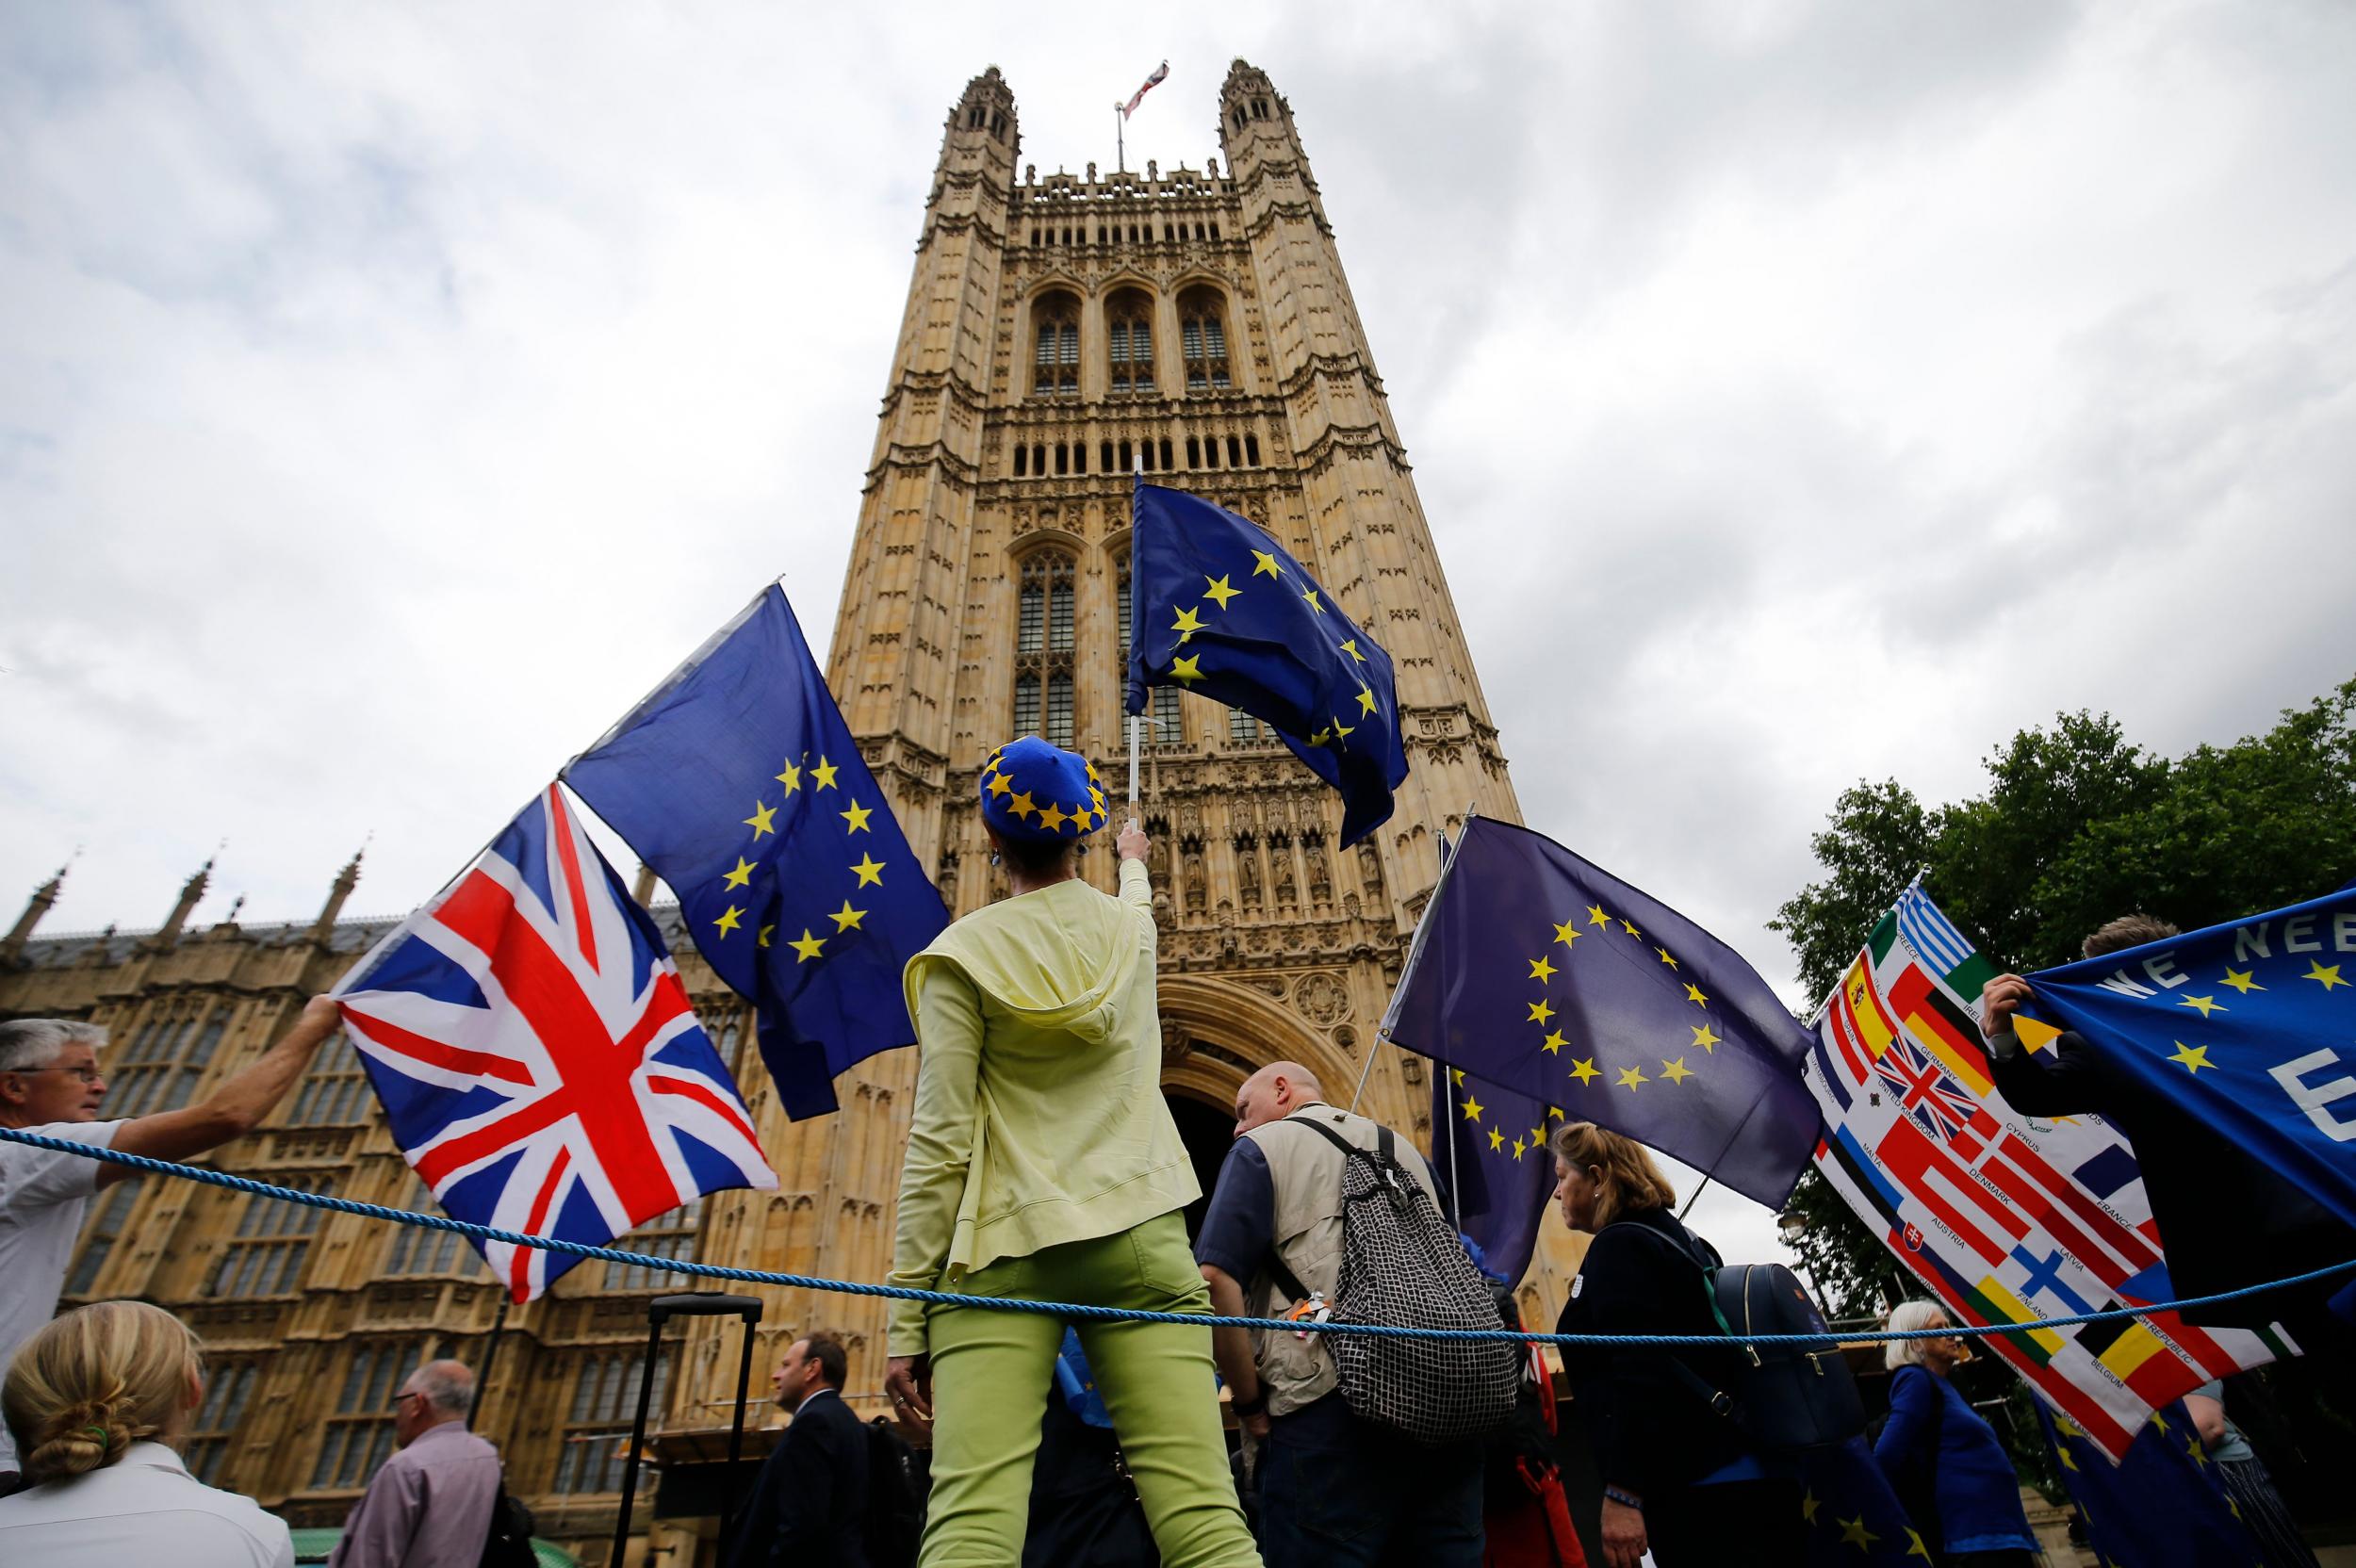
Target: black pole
751,1314
656,1317
659,1314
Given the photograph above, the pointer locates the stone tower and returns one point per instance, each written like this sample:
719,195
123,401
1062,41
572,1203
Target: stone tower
1060,331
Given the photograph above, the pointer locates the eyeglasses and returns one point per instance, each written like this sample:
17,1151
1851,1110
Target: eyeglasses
86,1074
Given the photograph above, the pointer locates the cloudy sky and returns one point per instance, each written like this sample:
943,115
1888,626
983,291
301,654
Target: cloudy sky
1797,393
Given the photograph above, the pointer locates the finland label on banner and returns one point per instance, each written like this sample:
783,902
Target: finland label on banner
2007,1218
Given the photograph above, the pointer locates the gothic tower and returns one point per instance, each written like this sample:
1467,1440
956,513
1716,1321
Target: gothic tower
1061,330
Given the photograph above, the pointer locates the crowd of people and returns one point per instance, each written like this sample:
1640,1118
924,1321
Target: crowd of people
1043,1163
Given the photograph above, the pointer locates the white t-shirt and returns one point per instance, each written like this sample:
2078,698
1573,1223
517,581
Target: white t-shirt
145,1508
43,1195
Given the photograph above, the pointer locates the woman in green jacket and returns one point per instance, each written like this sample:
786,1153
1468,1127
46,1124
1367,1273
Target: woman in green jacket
1042,1163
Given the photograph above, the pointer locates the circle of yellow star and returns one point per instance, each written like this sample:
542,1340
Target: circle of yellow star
1219,591
2194,1058
1052,818
1539,970
1520,1148
1366,699
1001,786
766,932
763,820
1554,1042
1350,647
1693,994
1472,1108
1706,1038
2239,979
846,918
2207,1004
1675,1071
1188,668
1854,1533
1311,597
742,874
1189,624
1566,932
1597,917
1631,1076
1497,1140
1664,957
2330,976
791,778
857,816
1584,1069
1630,926
1539,1011
808,947
1023,805
1266,564
822,774
870,870
729,920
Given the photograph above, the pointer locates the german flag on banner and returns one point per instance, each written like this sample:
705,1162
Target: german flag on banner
2005,1219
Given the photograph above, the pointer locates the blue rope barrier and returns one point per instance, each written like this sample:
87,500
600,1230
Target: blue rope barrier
1093,1313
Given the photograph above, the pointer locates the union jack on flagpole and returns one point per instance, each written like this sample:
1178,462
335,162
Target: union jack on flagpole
537,1055
1152,82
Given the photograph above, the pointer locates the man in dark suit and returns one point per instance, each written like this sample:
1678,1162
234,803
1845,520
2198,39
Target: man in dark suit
2225,1219
808,1504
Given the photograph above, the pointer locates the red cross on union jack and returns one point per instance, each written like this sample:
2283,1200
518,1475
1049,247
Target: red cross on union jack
1939,1104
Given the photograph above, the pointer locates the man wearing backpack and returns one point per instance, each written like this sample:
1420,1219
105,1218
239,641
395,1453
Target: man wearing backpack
1337,1489
808,1504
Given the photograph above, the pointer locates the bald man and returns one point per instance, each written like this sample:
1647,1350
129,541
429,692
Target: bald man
1335,1492
429,1505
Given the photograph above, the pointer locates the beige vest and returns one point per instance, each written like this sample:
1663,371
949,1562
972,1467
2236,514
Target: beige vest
1305,1171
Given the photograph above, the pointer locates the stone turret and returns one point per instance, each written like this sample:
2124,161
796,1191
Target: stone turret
324,929
191,893
44,896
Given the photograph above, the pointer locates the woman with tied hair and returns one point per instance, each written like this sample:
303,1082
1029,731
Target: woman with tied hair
1042,1163
1679,1480
1942,1459
99,1400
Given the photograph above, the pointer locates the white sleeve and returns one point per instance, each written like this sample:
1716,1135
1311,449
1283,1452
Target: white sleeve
36,1178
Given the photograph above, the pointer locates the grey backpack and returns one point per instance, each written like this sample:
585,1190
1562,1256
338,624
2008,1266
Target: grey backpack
1404,1267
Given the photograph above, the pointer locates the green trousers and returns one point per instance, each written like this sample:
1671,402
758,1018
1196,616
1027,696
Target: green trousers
993,1372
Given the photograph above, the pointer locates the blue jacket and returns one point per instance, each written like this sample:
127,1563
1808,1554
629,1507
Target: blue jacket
1940,1444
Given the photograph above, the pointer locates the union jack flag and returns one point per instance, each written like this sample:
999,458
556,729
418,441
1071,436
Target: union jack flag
537,1055
1942,1106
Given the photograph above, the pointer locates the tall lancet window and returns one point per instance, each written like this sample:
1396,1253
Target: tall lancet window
1129,340
1203,339
1045,634
1056,359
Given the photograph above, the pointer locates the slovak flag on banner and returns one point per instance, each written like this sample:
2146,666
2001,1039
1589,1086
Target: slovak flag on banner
537,1055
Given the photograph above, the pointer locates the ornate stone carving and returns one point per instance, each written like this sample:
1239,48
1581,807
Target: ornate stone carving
1321,999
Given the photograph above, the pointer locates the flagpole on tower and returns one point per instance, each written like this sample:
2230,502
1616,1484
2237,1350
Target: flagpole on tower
1120,151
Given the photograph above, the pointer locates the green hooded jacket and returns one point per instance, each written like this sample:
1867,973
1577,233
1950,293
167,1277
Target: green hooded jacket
1040,1117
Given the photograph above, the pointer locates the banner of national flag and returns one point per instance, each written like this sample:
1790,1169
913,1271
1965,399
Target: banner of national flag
1496,1166
2006,1218
537,1060
1152,82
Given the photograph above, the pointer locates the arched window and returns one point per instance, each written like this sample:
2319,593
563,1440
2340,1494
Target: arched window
1046,631
1129,340
1056,362
1203,339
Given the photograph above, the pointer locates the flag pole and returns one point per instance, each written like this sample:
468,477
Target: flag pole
1137,721
1414,951
1455,1187
1120,151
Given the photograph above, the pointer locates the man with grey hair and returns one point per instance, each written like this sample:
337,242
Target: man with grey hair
431,1503
50,1083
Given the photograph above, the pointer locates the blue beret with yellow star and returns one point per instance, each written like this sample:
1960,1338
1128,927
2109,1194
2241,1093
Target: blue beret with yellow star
1039,793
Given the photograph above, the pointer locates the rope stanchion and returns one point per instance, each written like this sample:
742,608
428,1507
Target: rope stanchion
1076,1310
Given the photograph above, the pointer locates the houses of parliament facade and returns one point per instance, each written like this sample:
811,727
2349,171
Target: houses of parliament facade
1061,331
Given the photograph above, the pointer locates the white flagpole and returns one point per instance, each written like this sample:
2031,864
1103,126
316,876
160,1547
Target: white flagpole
1137,721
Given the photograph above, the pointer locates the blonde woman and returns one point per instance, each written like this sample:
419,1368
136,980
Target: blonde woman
99,1402
1942,1459
1679,1478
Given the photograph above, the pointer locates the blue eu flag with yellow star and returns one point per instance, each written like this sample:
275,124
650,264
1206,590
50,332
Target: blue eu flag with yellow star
1495,1168
1218,607
739,783
2250,1027
2162,1504
1535,969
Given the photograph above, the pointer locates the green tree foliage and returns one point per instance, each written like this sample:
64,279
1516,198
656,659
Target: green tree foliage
2077,826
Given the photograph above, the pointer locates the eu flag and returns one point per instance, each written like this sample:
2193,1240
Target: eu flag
1535,969
1218,607
1495,1167
2160,1505
1853,1519
739,783
2244,1026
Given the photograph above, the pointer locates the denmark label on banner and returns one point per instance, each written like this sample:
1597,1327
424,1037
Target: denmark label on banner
2007,1218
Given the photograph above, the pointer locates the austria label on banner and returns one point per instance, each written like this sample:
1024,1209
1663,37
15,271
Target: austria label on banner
2006,1218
